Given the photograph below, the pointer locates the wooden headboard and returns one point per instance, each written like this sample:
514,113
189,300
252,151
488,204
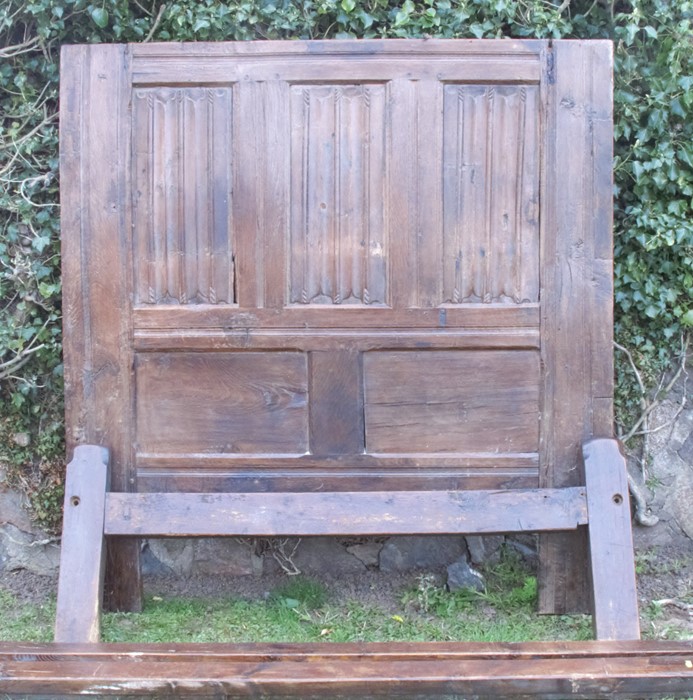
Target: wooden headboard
340,265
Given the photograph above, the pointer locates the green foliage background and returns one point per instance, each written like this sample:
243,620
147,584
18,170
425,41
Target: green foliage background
653,167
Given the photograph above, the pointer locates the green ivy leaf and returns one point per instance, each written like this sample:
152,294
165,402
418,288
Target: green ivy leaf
100,17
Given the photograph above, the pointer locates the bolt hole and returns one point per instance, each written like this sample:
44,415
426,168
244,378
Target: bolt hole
617,499
74,500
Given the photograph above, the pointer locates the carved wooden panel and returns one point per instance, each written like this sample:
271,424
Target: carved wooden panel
490,194
339,265
338,240
183,216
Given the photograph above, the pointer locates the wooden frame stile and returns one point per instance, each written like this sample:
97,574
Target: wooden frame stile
576,294
96,254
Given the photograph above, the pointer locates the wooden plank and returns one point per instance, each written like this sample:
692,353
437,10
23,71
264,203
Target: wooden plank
232,402
359,513
615,613
198,479
97,254
336,403
506,60
431,670
435,49
660,649
576,319
82,555
449,401
331,339
488,462
477,316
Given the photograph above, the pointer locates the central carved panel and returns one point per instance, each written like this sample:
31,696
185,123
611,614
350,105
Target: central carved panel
338,240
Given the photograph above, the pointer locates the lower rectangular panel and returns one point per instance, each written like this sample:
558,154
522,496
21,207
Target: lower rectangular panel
222,402
452,401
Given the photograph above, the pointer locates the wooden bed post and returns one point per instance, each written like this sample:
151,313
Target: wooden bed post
82,556
615,604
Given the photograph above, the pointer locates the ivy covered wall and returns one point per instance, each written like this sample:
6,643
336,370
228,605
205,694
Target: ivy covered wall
653,173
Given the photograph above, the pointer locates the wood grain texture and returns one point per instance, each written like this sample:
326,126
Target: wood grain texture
576,308
182,209
336,403
338,178
232,402
82,554
436,212
615,605
469,316
452,401
96,250
491,196
374,513
581,670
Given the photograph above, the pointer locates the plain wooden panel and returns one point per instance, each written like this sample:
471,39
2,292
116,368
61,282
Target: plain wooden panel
376,50
96,252
222,402
576,302
370,513
443,401
615,604
202,477
82,554
336,403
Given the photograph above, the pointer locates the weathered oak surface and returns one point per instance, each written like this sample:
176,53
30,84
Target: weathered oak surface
339,266
530,670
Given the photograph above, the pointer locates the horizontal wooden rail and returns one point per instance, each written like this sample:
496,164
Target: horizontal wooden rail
359,513
536,669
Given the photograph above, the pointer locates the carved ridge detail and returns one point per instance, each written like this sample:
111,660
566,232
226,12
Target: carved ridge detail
183,217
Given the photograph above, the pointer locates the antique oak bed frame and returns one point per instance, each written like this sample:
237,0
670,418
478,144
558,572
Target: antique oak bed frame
341,288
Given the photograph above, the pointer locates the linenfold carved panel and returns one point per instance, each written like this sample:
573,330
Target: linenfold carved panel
490,194
182,180
338,236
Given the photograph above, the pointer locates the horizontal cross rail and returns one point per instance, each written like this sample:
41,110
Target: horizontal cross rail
344,513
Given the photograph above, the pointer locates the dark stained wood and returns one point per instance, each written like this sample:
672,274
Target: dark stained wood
82,554
615,608
576,293
231,402
95,224
373,513
448,401
339,265
537,670
336,407
314,316
330,340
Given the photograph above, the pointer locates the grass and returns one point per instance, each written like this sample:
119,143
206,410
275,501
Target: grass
301,610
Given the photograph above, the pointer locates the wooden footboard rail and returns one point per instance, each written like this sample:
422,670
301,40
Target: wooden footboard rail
93,513
533,669
618,665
